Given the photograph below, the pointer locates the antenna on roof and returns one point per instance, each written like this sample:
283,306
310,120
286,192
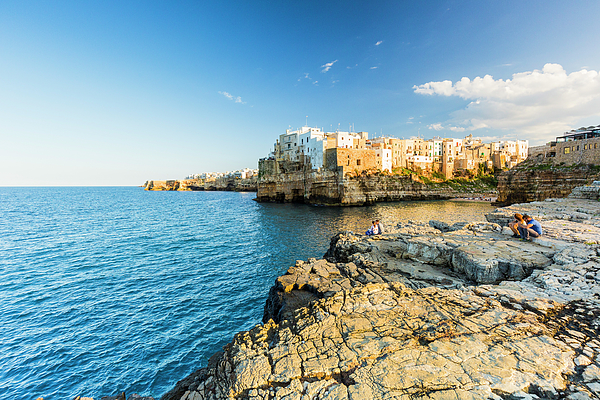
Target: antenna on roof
306,121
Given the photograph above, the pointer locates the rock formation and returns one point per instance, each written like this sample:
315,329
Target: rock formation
228,184
329,188
537,179
428,311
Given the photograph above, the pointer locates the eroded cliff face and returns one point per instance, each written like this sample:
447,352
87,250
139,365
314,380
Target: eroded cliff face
537,180
330,188
232,185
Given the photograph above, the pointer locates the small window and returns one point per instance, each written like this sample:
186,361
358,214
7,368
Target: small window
357,162
595,145
577,148
567,150
585,146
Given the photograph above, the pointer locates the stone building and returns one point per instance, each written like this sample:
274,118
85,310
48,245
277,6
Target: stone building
580,146
310,147
347,160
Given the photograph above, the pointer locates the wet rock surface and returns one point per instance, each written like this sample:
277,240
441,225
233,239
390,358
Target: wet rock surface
428,311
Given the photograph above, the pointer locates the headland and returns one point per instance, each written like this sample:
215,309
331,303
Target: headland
228,184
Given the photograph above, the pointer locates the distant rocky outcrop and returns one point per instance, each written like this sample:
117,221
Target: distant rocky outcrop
537,178
428,311
330,188
221,184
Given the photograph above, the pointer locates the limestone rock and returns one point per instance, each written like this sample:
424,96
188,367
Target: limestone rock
387,341
428,311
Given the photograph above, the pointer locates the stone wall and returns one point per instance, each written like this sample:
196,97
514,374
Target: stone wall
584,151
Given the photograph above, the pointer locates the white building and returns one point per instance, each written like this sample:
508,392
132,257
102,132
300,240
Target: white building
515,148
384,159
344,140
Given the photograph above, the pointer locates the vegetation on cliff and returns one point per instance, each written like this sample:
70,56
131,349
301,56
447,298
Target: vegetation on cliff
467,181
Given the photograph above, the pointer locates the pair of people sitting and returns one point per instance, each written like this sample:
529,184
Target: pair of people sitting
375,229
525,227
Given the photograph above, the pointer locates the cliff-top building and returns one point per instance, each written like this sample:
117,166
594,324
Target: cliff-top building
581,146
354,152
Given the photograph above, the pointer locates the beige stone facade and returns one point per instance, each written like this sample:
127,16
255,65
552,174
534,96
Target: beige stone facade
575,147
350,160
586,151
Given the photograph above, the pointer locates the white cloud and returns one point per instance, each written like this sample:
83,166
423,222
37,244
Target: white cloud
373,67
237,99
327,67
539,104
436,127
306,76
378,43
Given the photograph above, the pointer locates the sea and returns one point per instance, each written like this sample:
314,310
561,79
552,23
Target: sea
115,289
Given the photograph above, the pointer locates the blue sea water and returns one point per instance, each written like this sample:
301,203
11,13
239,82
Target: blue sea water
104,290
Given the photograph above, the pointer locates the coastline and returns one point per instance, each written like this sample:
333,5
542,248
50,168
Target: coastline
428,311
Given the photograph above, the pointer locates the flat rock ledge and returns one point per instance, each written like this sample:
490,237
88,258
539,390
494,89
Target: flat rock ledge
428,311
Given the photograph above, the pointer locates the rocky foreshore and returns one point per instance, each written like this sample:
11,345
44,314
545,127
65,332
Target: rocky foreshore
428,311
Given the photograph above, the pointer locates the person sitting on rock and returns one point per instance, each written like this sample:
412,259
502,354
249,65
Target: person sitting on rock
379,227
514,223
373,230
531,228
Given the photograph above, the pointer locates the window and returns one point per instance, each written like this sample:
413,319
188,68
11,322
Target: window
567,150
595,145
577,148
585,146
357,162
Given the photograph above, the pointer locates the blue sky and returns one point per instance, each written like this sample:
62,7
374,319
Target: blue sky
119,92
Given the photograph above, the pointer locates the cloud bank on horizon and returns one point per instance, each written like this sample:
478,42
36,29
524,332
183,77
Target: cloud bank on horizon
532,103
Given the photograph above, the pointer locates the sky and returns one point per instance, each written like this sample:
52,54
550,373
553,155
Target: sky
114,93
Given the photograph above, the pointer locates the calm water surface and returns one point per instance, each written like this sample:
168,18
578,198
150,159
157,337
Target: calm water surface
104,290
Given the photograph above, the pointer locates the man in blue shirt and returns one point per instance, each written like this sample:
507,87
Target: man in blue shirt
530,229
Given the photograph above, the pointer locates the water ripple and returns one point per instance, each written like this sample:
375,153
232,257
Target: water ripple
105,290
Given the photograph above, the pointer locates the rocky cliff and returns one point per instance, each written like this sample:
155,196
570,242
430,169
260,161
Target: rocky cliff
428,311
538,178
329,188
228,184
